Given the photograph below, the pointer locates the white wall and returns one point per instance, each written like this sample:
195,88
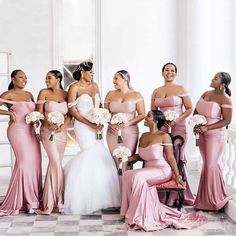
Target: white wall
26,31
141,36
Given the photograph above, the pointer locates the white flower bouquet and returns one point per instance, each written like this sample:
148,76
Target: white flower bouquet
55,118
170,116
195,122
118,119
33,118
121,153
99,116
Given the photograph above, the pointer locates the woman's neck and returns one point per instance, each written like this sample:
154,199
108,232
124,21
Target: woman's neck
56,90
84,83
169,84
218,91
124,90
153,129
18,90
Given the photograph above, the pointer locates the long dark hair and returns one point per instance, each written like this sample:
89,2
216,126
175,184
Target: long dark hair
13,74
58,75
169,63
226,79
83,66
159,117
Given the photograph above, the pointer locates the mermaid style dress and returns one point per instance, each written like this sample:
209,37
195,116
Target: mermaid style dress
25,185
175,103
52,199
91,180
211,190
129,134
140,202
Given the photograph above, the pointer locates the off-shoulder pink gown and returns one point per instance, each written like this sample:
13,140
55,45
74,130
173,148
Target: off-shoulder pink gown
52,199
25,184
129,134
175,103
140,202
211,190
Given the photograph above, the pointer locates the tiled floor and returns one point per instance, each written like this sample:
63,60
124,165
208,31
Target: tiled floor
105,222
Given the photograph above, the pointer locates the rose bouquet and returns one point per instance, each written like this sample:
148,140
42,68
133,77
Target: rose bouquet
170,116
121,153
118,119
99,116
196,121
55,118
33,118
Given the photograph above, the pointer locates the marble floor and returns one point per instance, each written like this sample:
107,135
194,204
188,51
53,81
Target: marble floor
106,222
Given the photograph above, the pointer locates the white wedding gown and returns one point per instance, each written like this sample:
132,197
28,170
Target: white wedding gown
91,180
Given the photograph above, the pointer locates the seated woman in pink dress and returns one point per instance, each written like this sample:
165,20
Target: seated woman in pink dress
25,185
174,97
53,99
124,100
216,106
140,202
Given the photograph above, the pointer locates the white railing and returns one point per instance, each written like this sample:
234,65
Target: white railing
229,170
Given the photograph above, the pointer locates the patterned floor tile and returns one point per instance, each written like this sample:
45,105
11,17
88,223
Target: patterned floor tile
45,224
107,222
67,229
91,222
19,230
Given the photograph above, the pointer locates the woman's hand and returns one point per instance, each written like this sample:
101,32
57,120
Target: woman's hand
133,158
113,127
200,129
12,118
169,124
116,127
179,182
96,127
60,128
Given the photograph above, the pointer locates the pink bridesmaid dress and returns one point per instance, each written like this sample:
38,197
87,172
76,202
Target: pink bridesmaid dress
129,134
175,103
25,184
52,199
211,190
140,202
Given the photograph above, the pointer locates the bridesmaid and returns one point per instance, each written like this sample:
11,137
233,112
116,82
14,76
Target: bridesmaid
53,98
216,106
172,96
125,100
140,203
25,184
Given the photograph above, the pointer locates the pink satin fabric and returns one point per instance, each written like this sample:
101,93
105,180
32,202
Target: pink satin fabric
25,184
129,134
52,199
211,190
140,202
175,103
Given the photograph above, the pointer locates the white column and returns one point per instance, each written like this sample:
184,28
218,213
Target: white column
97,45
57,58
231,174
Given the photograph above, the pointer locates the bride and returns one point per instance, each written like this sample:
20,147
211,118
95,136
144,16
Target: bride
91,180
